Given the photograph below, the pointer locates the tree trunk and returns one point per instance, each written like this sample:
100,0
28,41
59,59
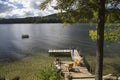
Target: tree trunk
100,40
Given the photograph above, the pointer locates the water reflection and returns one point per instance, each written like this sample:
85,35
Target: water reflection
47,36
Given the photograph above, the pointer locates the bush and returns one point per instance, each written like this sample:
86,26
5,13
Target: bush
50,73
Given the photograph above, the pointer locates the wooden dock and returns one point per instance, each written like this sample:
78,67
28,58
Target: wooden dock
77,72
56,51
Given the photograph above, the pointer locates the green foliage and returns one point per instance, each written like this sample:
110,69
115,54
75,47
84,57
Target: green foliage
112,33
46,19
28,68
75,11
93,34
50,74
44,4
112,16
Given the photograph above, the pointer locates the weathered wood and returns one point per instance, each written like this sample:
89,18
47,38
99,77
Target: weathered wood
58,53
77,72
52,51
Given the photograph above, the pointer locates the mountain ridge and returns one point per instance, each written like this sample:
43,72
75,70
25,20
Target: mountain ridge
45,19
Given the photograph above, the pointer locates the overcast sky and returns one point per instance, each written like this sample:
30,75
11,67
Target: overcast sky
23,8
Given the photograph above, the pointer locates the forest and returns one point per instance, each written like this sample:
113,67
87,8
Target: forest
46,19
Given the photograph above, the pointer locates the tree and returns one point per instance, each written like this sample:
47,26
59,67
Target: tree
74,11
100,40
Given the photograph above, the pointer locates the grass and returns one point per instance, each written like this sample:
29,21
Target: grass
111,64
28,68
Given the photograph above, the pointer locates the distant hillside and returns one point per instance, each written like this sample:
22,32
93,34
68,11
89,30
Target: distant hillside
46,19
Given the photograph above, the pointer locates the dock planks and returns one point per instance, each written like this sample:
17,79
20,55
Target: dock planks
55,51
78,72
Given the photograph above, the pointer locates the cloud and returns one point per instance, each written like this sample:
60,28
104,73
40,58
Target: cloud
26,8
5,7
23,8
118,6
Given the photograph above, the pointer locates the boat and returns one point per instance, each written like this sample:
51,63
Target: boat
25,36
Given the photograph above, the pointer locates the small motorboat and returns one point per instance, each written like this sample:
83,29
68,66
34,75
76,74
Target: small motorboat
25,36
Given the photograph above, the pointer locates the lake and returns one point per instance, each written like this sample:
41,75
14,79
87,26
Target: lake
48,36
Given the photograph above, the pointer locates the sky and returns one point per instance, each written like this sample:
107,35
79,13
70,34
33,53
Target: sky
23,8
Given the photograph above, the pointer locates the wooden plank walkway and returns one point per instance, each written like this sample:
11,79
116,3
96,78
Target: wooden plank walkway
53,51
77,72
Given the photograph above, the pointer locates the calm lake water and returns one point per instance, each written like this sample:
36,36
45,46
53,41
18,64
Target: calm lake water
48,36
